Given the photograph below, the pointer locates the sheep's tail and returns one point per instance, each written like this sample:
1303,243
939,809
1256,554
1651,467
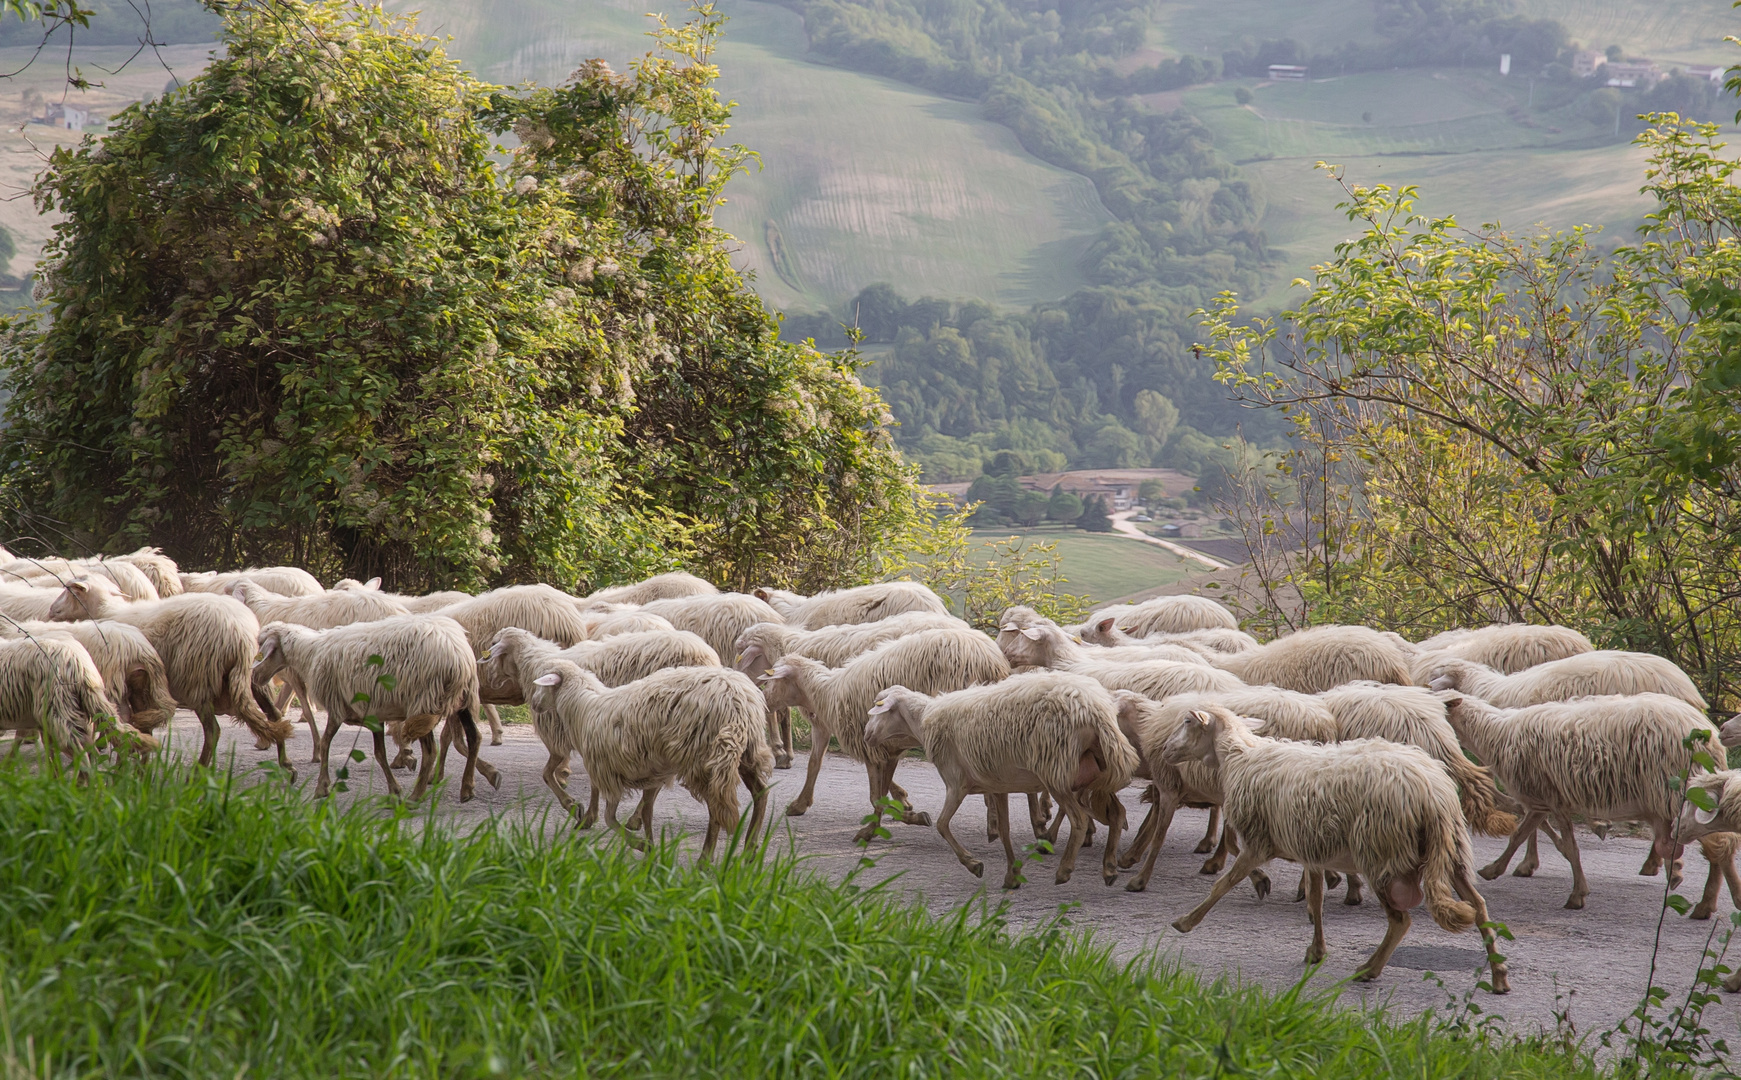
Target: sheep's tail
1447,851
1479,796
253,711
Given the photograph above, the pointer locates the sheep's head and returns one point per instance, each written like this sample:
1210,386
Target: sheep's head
499,670
270,660
353,585
85,598
1102,630
896,720
779,599
1028,639
556,675
1695,820
1447,673
781,686
1195,739
1132,707
1731,732
752,653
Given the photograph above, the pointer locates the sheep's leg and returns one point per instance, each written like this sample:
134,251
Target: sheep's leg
892,790
1730,877
1159,820
208,722
495,719
1465,886
1247,861
991,822
1000,806
1114,826
1568,845
293,685
1037,813
322,744
591,816
1229,846
386,765
1352,897
779,725
645,812
1531,858
1525,830
950,802
551,768
1133,852
759,793
1314,883
468,728
1072,805
722,815
1397,924
1207,844
1665,849
819,737
424,767
879,773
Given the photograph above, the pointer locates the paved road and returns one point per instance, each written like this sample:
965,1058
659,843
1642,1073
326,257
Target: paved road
1124,526
1593,962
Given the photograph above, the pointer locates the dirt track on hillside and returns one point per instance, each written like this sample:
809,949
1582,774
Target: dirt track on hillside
1592,963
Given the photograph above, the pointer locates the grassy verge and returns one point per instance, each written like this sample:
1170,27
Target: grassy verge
181,924
1101,566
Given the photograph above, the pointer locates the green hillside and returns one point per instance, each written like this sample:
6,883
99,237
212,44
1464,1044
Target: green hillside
863,179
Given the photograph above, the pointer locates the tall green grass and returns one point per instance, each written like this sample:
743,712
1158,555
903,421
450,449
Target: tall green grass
186,924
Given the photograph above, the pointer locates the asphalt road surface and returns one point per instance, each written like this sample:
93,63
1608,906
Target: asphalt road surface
1591,964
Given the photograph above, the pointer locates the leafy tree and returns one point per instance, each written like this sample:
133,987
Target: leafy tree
1517,429
1063,505
1096,516
295,312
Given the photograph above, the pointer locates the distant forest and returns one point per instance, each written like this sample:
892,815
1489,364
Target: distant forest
1077,380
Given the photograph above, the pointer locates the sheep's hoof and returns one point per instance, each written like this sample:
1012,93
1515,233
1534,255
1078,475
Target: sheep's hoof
1130,858
1500,984
782,761
320,791
289,774
586,821
1260,885
466,795
314,758
1575,903
866,834
1061,877
1365,974
915,817
1109,877
975,867
1525,870
1204,847
1136,884
1012,881
261,742
1702,911
1315,955
1332,879
495,740
1184,926
1490,871
992,836
1733,983
1212,867
796,809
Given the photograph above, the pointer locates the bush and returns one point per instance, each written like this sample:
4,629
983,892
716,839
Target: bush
1095,515
1242,95
1063,505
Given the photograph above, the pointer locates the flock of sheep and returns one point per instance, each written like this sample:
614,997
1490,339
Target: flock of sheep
1363,757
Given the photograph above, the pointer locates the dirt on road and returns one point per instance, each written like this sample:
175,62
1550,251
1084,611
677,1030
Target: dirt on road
1589,967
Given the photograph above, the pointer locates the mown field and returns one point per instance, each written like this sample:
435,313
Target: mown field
861,179
1690,31
1103,567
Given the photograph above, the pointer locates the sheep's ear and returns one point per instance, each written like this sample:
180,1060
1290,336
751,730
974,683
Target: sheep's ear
1105,625
1008,628
77,586
267,648
1252,722
372,584
882,706
1703,816
1033,633
548,679
1202,717
760,594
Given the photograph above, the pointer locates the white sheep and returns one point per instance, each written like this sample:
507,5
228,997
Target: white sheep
1594,674
1103,630
1044,645
50,686
1609,758
133,582
658,587
1314,660
318,611
1151,725
758,648
1046,730
161,569
607,623
1369,807
515,659
133,677
425,673
1413,716
414,604
862,604
27,603
1029,639
283,580
541,609
701,726
837,701
207,645
1176,615
1509,647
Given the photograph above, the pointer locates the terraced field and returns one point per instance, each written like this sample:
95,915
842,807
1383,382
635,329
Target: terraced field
863,179
1690,31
